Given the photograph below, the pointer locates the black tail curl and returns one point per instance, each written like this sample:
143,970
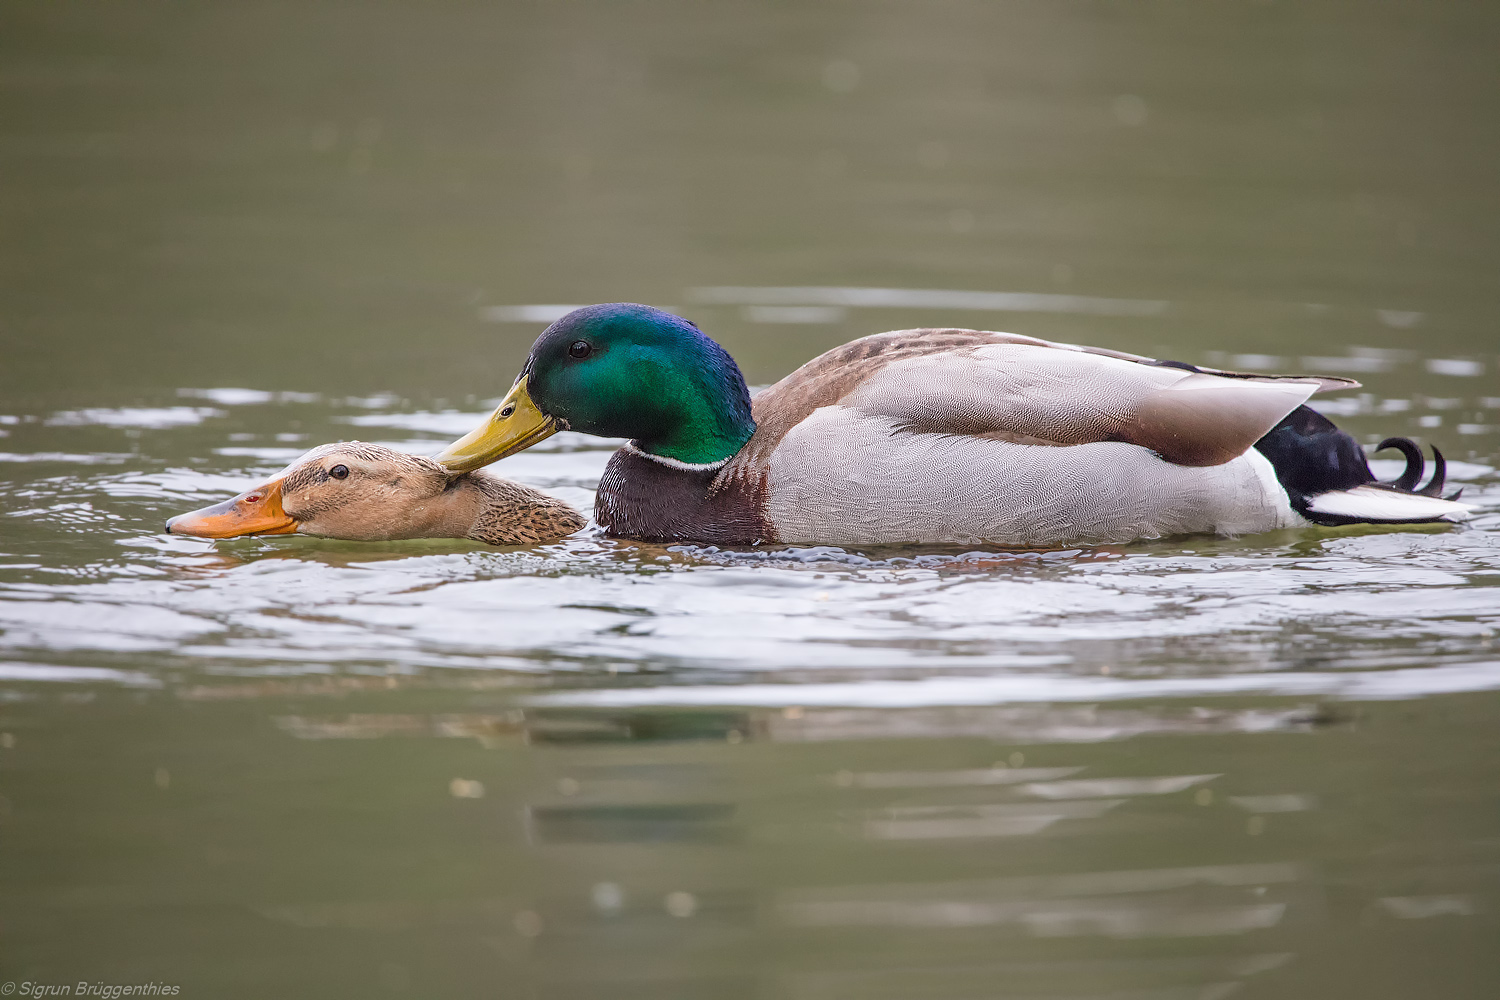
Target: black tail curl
1412,474
1311,456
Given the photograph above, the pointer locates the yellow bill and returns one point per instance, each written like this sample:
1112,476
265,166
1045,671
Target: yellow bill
515,426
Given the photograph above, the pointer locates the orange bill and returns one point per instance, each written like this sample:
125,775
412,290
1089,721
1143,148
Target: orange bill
256,512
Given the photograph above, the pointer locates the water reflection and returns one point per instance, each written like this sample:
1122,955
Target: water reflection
633,823
935,852
1173,902
948,822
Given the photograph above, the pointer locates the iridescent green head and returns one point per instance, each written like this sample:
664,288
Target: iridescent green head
620,370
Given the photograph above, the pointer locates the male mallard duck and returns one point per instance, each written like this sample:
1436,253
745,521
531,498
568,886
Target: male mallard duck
371,493
934,436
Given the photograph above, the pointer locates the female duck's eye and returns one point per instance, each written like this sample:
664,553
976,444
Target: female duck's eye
339,472
580,349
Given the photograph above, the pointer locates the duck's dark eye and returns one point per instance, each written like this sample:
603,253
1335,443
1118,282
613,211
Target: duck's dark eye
339,472
580,349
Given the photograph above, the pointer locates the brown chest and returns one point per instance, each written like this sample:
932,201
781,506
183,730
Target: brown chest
642,498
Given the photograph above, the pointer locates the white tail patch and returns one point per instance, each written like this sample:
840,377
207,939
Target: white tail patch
1375,505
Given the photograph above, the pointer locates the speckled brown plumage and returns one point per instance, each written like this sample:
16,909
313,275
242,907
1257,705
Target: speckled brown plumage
518,515
390,494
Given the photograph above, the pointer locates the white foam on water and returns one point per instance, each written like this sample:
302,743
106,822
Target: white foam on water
924,298
525,313
66,457
50,674
152,417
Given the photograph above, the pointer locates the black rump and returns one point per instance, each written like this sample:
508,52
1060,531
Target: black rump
1312,456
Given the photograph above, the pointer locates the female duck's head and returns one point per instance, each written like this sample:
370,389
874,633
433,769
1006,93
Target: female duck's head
369,492
620,370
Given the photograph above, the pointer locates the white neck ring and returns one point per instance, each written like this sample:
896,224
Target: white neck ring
673,463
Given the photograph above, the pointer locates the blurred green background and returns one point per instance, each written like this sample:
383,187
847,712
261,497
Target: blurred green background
324,196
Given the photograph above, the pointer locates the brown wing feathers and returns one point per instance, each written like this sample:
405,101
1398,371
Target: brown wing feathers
831,376
969,382
1204,420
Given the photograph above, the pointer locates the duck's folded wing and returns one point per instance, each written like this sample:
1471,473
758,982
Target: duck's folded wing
1042,395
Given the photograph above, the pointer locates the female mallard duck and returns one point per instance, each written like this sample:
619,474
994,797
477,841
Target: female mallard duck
370,493
937,435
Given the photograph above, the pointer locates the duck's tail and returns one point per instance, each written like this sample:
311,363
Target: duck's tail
1329,482
1381,503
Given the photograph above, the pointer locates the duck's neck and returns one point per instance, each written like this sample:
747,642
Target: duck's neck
713,465
487,509
641,496
707,423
